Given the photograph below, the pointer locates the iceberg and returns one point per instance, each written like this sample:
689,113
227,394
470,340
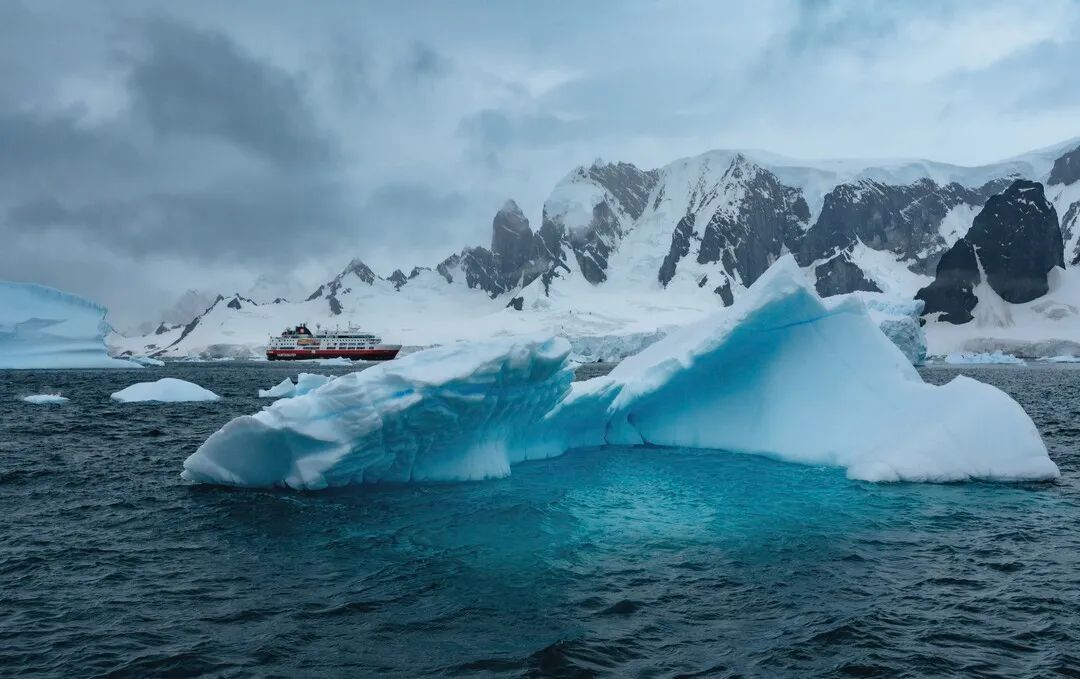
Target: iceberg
454,413
41,327
45,399
165,390
305,382
977,358
781,373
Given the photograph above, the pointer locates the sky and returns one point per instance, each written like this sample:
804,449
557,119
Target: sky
151,147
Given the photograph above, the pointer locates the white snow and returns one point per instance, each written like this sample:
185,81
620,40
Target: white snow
970,358
41,327
165,390
44,399
781,373
147,361
305,382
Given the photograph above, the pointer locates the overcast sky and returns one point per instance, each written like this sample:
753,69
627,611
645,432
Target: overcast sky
146,148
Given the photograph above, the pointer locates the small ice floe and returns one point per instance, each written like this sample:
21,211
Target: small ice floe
972,358
165,390
334,361
45,399
305,382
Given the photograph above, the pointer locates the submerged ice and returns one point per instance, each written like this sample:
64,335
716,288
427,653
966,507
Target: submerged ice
781,373
41,327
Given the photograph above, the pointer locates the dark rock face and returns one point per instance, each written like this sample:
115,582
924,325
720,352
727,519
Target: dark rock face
748,239
840,275
511,243
1017,241
517,303
953,289
339,284
744,234
398,279
680,247
1066,169
235,303
162,329
1069,224
903,219
725,293
592,243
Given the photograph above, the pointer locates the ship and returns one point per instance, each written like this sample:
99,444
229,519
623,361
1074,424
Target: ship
299,344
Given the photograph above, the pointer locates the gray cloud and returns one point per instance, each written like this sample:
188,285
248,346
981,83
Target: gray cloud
151,147
201,83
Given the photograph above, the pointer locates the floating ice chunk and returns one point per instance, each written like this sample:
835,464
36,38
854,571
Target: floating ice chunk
781,373
1061,359
334,361
458,412
305,382
283,388
45,328
43,399
165,390
970,358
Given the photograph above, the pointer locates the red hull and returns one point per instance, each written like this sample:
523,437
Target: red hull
353,354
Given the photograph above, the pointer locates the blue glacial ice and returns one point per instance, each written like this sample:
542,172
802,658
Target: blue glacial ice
458,412
781,373
41,327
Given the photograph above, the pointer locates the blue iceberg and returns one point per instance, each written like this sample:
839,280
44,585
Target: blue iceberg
781,373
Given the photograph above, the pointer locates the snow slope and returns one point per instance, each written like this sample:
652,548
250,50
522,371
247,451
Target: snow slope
782,373
41,327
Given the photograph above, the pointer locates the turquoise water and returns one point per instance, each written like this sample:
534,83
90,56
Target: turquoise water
620,561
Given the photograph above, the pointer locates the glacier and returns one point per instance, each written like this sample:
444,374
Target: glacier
42,327
165,390
780,373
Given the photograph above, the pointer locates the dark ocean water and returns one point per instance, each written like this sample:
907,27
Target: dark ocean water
620,562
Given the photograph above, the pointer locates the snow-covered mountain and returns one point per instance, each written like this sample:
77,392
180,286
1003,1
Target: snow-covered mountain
623,254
